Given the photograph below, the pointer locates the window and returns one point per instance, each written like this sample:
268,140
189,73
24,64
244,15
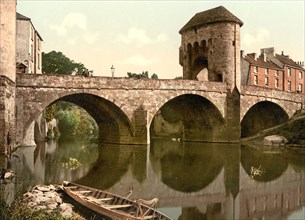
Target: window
289,71
300,87
255,69
255,80
300,75
266,81
38,61
32,53
276,73
266,71
289,86
276,83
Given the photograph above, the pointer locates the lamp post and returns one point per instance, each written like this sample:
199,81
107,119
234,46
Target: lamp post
112,70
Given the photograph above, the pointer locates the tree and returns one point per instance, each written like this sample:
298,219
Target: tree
154,76
143,75
57,63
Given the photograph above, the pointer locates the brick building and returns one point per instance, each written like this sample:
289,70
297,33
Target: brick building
274,71
28,45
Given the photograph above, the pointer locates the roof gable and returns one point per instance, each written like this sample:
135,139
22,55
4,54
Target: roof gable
21,17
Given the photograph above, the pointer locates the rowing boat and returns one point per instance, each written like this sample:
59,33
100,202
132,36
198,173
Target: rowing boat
112,205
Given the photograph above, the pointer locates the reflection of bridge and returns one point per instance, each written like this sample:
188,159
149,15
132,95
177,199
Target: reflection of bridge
219,185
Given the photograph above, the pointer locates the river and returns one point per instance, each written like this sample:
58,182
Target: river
192,180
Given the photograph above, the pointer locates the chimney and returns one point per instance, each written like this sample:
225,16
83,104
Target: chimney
264,57
242,53
268,51
282,53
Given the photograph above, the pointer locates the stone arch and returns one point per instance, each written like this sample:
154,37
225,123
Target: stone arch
114,124
188,116
262,115
164,98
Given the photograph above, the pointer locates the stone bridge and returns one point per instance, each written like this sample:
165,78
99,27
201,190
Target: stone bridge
125,108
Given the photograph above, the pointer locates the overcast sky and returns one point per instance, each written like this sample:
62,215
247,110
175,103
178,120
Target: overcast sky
137,36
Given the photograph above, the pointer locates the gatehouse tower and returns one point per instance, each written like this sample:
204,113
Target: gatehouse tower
210,41
210,51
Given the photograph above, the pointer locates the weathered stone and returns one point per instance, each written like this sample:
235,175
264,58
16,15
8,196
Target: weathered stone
43,188
58,199
275,140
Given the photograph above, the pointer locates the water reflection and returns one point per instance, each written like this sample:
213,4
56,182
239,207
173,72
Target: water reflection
191,180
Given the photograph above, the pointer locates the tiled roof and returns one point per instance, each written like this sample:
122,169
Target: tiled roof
21,17
214,15
287,61
260,62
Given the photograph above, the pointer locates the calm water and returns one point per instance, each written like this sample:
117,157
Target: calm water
192,180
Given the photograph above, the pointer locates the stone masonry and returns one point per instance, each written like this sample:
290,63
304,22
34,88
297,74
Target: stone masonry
7,74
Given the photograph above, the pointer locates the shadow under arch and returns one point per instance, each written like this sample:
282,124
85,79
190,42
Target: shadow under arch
189,117
261,116
114,125
271,165
185,167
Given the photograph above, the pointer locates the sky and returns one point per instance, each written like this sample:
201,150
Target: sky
136,36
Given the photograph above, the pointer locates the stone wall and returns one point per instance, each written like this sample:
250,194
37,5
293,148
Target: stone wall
251,95
7,114
125,105
7,74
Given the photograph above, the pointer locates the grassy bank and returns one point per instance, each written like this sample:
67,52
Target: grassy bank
19,211
293,130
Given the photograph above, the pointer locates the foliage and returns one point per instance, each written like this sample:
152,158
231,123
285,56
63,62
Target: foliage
71,164
18,211
68,122
50,112
57,63
56,132
143,75
74,122
154,76
179,77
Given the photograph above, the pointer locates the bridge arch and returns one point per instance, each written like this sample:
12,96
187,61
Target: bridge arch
262,115
114,125
187,116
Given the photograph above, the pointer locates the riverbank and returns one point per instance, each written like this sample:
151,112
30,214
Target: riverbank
293,130
41,202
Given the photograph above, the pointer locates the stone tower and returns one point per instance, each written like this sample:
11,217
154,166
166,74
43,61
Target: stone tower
210,44
7,74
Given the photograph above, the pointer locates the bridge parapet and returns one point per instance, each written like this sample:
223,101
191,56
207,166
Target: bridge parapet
80,82
289,102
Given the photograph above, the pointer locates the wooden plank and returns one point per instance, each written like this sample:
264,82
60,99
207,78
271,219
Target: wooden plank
117,206
91,198
81,191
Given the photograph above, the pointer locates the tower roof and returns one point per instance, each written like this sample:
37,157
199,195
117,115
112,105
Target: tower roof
214,15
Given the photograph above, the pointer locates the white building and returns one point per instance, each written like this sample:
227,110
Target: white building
28,45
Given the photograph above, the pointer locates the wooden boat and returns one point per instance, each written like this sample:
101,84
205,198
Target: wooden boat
113,206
